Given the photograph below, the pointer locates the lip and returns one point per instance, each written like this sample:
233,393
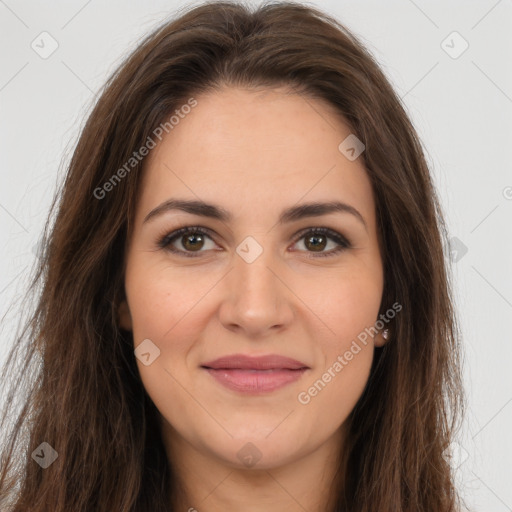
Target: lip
255,374
245,362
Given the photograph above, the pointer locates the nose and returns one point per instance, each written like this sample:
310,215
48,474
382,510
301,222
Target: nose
257,301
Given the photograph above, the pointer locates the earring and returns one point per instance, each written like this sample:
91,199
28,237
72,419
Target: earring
385,334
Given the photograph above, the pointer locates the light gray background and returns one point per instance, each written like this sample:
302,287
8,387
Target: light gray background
462,108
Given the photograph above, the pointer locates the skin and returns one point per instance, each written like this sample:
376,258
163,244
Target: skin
255,153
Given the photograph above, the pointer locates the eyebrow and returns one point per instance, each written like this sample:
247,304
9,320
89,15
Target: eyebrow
294,213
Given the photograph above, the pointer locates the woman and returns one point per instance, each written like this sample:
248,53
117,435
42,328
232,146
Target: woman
245,302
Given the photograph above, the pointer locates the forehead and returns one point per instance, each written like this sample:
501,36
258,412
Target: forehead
238,147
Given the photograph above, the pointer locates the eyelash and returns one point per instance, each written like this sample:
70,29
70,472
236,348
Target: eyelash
165,241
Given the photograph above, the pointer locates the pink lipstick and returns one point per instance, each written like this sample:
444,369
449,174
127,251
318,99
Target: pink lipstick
255,375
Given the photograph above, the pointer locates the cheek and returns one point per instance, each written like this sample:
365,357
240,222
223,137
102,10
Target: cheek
336,385
333,392
167,312
164,303
346,302
167,308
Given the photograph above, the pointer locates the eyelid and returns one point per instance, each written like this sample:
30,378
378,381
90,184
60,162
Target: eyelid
167,237
165,240
331,233
343,243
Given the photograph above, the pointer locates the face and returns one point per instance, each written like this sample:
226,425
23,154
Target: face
301,287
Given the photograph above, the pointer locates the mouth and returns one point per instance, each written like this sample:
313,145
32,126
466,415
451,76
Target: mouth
255,375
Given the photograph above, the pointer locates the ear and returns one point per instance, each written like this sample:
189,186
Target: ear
125,318
382,337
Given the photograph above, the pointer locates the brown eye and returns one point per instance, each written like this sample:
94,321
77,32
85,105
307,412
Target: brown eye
193,242
316,242
187,241
190,241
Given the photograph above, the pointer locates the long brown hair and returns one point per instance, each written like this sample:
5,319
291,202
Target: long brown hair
83,394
